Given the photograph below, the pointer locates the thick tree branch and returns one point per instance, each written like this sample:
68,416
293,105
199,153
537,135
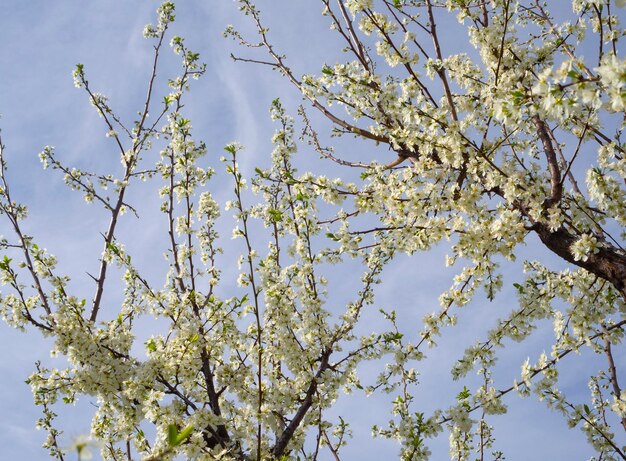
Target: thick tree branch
608,262
556,186
281,444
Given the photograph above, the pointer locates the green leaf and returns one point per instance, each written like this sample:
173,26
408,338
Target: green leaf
185,433
573,74
275,215
464,394
172,435
175,438
4,264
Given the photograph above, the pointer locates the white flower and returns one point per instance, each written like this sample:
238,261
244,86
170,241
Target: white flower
584,246
612,74
82,445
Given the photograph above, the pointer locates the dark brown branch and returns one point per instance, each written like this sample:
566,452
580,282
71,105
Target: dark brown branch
332,449
130,164
617,391
353,41
281,444
556,186
324,152
502,42
441,72
568,172
24,244
607,437
608,263
108,240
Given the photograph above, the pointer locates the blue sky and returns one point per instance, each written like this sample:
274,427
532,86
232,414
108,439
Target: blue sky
41,43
